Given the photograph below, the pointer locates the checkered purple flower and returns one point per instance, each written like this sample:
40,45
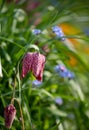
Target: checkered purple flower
33,62
9,115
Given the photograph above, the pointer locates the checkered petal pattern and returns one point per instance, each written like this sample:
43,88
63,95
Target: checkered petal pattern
38,65
33,62
9,115
26,64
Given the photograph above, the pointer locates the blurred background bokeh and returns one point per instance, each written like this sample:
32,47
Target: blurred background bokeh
59,102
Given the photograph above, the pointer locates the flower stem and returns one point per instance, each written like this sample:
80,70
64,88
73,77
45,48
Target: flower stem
22,119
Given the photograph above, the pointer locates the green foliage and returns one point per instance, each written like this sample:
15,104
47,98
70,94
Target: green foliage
40,111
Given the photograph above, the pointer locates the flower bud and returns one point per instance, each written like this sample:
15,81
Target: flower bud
9,115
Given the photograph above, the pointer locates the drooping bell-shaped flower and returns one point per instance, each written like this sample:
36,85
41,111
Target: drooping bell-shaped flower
26,64
9,115
33,62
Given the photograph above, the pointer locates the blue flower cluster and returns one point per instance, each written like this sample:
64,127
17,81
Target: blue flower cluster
63,71
59,33
36,31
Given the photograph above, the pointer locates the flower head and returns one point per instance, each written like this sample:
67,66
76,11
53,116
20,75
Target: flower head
59,33
26,64
58,100
63,71
70,75
56,29
36,31
9,115
59,68
33,62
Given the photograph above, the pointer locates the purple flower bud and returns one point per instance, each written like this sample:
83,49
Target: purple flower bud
58,101
36,31
9,115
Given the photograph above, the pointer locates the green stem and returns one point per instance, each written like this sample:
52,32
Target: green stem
22,119
14,87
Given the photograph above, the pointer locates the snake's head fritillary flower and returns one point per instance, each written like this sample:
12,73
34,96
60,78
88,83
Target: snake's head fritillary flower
38,65
26,64
9,115
33,62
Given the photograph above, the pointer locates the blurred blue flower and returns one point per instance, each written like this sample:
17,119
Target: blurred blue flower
70,75
63,74
36,31
56,29
59,33
66,74
59,68
36,83
59,100
86,31
63,71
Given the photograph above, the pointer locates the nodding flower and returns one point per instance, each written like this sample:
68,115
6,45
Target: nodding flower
33,62
9,115
59,33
